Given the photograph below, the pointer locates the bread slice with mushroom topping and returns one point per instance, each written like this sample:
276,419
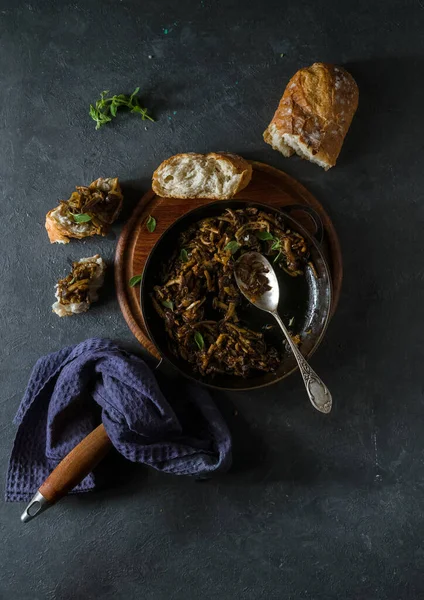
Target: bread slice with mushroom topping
76,291
89,211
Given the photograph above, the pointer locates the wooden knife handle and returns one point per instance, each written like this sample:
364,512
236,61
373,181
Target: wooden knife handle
76,465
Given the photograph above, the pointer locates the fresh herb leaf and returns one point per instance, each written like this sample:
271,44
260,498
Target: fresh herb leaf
107,107
291,322
198,338
264,235
184,255
134,280
120,100
93,113
277,258
82,218
99,112
143,113
168,304
232,246
135,107
151,224
133,95
276,245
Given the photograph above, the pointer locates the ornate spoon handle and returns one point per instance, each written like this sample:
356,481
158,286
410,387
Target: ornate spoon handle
318,393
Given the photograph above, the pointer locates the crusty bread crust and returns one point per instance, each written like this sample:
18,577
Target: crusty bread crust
314,114
55,231
240,168
59,233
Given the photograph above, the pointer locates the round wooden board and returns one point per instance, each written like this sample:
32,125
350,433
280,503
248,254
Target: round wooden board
268,186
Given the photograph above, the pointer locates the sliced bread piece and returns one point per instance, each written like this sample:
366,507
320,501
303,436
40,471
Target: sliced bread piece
211,175
314,114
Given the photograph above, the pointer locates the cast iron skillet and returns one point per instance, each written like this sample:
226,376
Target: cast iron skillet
305,299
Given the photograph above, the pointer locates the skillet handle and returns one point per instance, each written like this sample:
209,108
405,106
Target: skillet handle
69,472
319,227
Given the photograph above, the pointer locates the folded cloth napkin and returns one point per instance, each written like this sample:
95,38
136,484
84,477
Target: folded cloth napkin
71,391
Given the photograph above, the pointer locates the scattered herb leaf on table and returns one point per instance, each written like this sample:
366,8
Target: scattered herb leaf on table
107,107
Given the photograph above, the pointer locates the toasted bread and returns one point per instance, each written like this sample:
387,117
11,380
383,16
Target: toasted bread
101,201
76,291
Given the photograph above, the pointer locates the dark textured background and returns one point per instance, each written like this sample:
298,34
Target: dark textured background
316,507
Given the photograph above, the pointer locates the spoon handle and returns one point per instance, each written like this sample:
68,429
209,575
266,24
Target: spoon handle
318,393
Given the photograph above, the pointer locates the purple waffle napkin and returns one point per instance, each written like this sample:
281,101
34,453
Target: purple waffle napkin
71,391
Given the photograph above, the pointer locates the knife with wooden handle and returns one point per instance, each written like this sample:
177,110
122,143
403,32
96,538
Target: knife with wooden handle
68,473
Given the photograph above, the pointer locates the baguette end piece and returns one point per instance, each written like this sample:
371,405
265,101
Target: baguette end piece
314,114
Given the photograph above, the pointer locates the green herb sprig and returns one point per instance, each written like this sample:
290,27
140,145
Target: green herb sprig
106,107
276,244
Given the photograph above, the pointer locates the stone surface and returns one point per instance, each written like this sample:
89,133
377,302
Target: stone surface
316,507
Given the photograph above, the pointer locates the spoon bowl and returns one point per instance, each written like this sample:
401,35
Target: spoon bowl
254,261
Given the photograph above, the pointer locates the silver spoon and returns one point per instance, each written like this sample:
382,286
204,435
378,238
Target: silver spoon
318,393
